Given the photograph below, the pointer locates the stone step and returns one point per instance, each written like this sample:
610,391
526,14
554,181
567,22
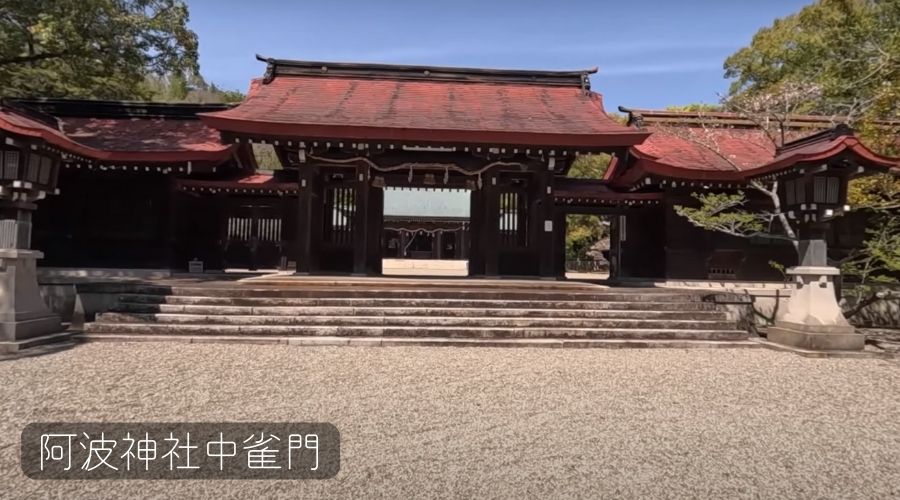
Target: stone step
415,321
420,283
410,331
424,341
405,302
598,294
416,311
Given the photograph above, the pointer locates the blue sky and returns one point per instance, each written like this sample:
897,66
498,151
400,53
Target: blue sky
651,53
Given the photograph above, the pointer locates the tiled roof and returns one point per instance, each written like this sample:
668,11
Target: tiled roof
696,148
824,145
726,147
142,134
380,102
152,136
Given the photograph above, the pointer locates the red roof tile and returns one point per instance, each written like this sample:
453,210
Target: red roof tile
826,145
142,134
121,139
696,148
395,106
730,153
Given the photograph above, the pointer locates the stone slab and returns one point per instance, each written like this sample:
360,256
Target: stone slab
810,353
816,341
10,347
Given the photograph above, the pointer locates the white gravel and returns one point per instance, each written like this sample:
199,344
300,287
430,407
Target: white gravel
482,422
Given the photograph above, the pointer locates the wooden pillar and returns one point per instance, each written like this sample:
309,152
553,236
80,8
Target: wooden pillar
223,208
172,227
361,222
615,245
438,244
560,226
304,219
547,241
375,214
476,216
490,225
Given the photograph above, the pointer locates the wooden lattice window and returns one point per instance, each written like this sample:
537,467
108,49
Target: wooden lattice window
46,169
340,215
262,228
34,167
512,223
827,190
11,165
240,228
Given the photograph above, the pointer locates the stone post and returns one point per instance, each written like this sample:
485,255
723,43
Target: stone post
813,317
23,314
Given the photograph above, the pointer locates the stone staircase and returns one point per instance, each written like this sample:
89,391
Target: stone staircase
384,311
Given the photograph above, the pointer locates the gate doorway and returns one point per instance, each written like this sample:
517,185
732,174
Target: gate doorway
254,238
426,232
588,249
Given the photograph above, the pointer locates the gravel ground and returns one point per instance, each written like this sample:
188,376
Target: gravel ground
482,422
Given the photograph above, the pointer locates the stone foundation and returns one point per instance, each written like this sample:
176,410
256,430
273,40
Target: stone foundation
23,314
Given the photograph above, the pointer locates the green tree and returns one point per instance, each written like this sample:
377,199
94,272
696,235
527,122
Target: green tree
590,166
587,235
848,49
837,58
92,48
175,88
696,107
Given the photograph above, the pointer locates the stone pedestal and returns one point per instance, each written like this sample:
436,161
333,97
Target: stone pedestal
813,317
23,314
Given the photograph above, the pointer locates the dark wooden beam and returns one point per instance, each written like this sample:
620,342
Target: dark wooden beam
547,240
305,212
361,222
490,227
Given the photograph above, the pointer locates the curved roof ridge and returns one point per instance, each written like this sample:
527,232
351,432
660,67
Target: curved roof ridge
290,67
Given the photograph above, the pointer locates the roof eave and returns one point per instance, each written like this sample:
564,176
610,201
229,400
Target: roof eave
628,137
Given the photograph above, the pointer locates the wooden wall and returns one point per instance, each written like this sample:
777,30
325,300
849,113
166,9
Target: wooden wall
105,219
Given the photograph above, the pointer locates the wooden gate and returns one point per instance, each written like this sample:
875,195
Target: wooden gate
515,253
338,225
513,224
254,238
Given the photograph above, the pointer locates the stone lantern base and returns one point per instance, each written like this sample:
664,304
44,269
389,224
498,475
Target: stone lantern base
23,314
813,317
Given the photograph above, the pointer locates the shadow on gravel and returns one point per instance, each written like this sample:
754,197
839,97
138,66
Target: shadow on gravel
43,350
